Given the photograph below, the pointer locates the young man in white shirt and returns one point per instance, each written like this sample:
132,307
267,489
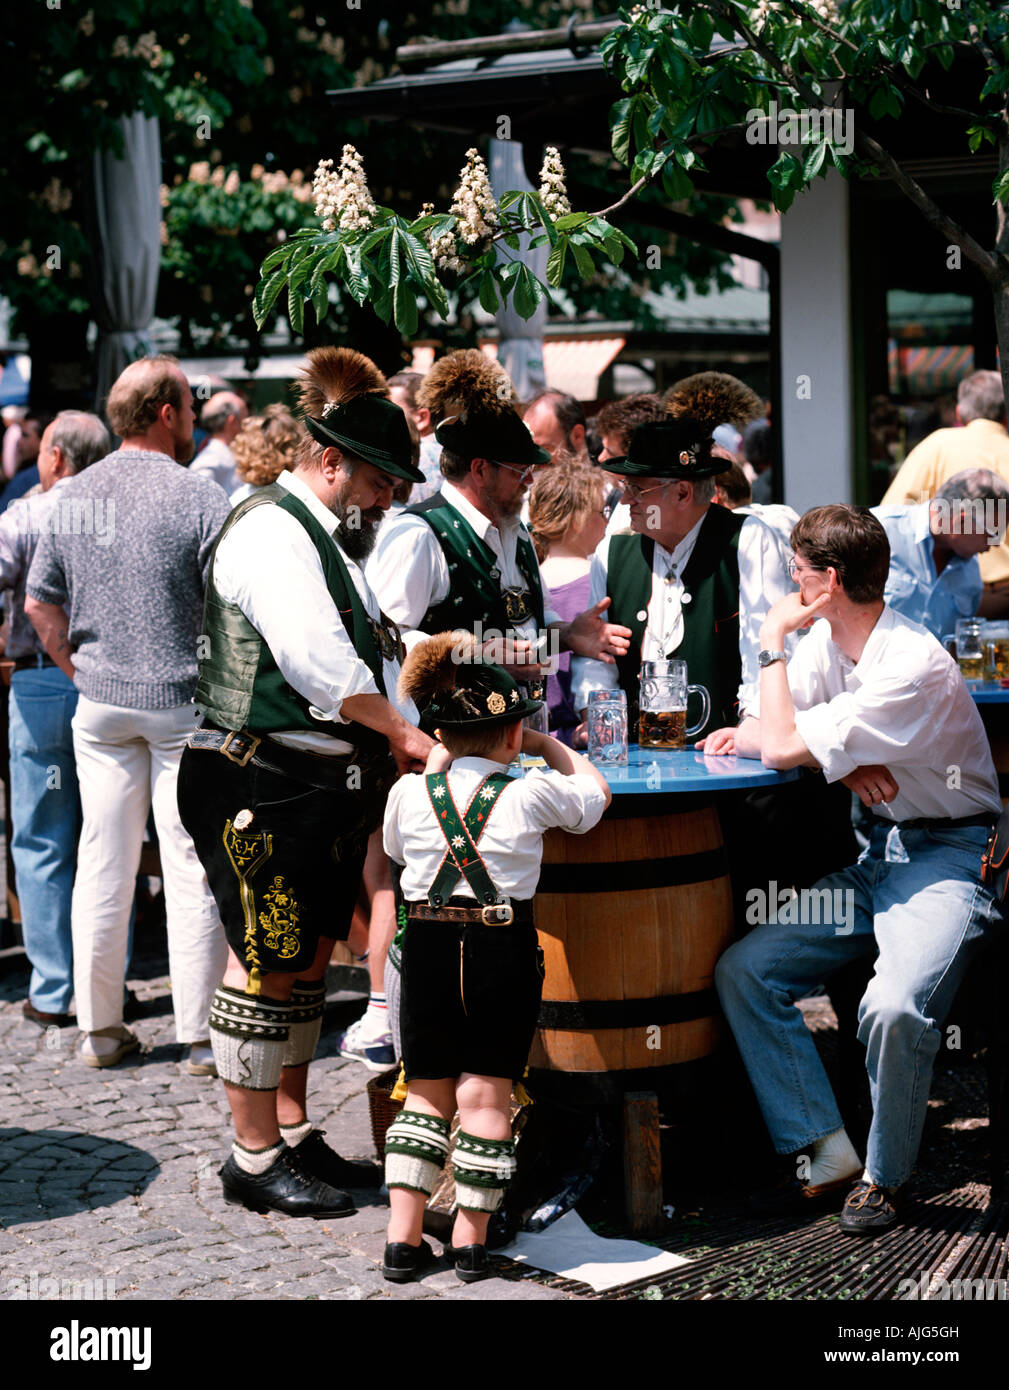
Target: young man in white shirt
874,701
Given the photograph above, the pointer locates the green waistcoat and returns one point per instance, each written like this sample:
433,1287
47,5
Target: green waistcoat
710,644
474,578
240,685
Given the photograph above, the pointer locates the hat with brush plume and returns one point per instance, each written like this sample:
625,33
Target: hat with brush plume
454,688
346,405
473,400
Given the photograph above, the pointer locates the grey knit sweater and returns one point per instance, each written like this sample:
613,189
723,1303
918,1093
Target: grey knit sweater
127,553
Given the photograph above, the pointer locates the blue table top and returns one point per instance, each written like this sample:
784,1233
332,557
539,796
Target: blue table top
659,771
988,692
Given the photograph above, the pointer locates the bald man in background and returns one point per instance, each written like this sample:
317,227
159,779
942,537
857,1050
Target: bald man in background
222,418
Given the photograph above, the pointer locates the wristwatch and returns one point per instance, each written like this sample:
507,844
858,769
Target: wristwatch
769,658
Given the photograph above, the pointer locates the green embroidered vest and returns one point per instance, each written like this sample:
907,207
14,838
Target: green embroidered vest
240,685
475,593
710,644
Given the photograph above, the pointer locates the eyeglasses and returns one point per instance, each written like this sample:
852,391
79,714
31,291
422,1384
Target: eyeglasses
795,573
636,493
524,473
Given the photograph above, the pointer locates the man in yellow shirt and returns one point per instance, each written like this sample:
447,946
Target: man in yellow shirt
982,443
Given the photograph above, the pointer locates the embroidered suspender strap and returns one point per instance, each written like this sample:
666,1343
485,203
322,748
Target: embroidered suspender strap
463,858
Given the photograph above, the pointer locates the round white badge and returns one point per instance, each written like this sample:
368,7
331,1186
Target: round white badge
685,598
642,615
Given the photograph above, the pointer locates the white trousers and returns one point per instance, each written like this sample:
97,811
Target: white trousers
127,761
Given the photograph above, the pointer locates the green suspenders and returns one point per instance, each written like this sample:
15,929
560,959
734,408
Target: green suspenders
461,833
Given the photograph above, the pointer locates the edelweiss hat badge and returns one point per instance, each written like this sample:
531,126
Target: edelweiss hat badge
496,703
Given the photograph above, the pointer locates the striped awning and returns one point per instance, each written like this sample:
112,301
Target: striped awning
574,365
923,371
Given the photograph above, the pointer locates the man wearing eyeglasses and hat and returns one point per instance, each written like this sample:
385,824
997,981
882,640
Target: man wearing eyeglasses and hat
462,560
694,580
280,787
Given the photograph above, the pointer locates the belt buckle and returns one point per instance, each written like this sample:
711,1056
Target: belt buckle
254,743
500,920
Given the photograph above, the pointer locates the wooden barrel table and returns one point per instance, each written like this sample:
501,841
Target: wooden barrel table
632,918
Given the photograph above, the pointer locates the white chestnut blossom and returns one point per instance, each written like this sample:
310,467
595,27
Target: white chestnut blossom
476,211
553,188
342,197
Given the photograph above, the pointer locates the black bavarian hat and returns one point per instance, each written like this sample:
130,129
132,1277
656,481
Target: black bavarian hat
675,448
483,695
374,429
499,436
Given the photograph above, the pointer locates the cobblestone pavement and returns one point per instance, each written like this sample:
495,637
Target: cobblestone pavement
111,1175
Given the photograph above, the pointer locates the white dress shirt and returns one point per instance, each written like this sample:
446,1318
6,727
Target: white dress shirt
511,845
409,572
216,461
268,565
763,579
903,704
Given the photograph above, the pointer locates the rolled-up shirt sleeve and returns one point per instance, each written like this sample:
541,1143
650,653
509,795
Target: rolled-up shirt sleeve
265,558
408,574
885,721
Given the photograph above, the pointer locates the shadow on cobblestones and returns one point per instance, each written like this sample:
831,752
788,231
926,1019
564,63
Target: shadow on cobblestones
59,1172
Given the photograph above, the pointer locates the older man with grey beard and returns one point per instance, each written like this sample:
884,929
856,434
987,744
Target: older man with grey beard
45,805
130,644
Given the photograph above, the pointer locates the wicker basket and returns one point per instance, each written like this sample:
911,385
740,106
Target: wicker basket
382,1108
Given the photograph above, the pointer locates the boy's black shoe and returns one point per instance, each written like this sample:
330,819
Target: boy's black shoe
402,1263
285,1187
471,1263
869,1210
326,1164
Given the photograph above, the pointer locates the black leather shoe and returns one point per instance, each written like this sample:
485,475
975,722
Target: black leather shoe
326,1164
471,1263
285,1187
869,1210
402,1263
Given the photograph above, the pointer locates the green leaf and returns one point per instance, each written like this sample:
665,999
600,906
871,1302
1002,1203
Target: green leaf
586,265
813,162
295,311
571,220
320,300
488,293
1000,188
620,128
266,295
527,293
555,261
405,302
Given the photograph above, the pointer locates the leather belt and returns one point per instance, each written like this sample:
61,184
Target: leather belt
314,769
985,818
38,662
491,915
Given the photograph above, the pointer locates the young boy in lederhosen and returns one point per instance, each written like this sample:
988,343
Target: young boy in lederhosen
470,839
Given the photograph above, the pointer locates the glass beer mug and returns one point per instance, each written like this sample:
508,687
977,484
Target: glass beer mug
662,709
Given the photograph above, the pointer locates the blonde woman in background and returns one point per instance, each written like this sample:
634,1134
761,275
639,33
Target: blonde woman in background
263,448
567,521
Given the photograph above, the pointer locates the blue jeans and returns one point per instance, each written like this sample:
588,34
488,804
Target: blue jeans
916,897
45,813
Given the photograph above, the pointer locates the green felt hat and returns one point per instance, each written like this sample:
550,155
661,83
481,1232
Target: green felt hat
674,448
499,435
483,695
374,429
